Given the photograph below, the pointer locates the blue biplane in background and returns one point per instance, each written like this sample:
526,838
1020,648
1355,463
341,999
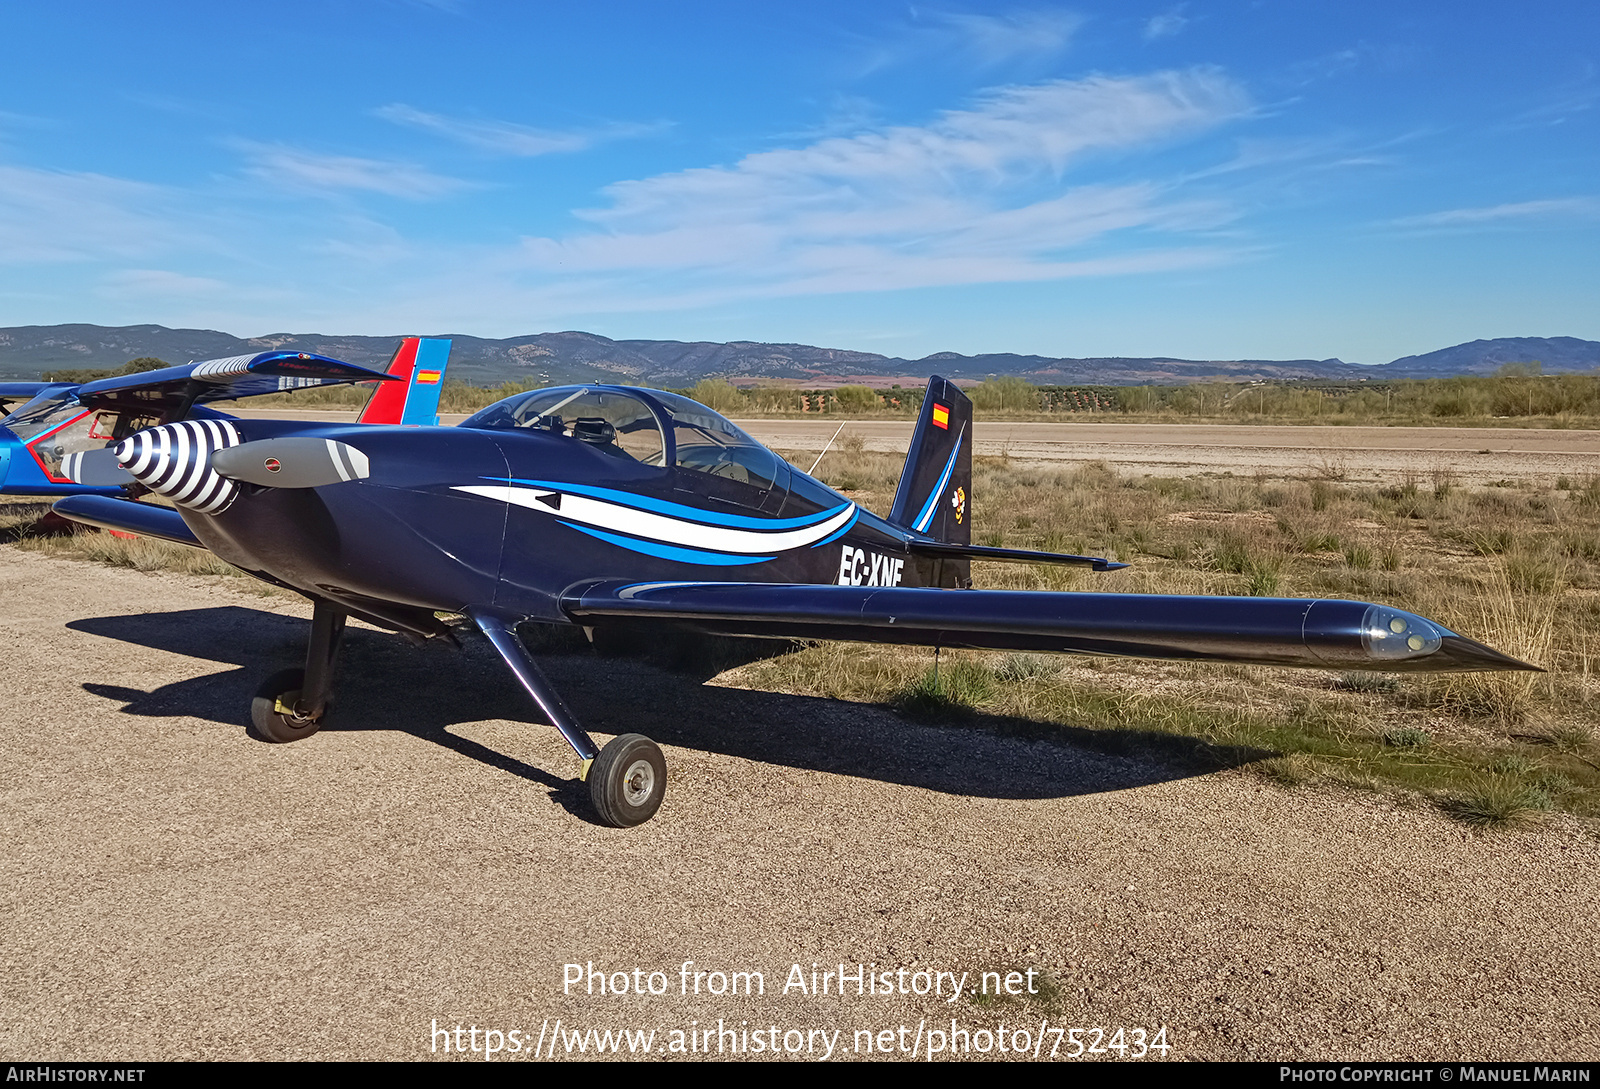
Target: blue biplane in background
601,505
43,422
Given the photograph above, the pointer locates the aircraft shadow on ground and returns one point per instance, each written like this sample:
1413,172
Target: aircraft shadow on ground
385,683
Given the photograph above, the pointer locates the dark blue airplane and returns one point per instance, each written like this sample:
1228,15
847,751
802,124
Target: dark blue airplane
597,505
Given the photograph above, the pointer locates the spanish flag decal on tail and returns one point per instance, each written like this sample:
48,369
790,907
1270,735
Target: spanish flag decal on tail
427,378
934,497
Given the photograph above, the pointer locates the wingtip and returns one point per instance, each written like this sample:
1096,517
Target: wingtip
1469,654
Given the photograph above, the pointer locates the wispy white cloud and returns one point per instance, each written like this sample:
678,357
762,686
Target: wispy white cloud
979,195
846,115
160,282
56,215
1167,24
994,39
1276,160
974,40
307,171
1025,183
506,138
1386,57
1565,102
1563,208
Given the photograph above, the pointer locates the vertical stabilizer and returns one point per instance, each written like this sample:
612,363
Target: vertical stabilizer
422,406
935,494
388,402
421,362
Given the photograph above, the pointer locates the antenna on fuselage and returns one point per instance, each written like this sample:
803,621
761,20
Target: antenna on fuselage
814,464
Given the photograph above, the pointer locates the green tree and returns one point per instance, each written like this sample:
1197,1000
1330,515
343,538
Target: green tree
855,399
718,395
142,364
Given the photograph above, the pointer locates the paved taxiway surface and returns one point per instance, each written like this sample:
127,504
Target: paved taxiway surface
171,888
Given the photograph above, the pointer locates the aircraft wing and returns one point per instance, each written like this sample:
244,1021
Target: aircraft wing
13,392
1321,634
127,516
153,393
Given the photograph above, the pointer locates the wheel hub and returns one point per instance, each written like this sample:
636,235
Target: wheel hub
288,706
639,781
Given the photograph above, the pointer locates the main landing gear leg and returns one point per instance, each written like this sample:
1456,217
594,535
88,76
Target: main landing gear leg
627,779
290,704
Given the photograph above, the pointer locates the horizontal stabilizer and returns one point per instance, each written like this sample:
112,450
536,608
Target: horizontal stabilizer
127,516
1009,555
1320,634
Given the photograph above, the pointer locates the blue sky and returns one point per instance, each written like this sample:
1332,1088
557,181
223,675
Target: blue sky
1265,179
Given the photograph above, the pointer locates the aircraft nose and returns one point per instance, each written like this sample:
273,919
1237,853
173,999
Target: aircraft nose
174,460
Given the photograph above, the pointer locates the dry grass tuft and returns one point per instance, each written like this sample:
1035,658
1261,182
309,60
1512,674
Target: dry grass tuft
1496,801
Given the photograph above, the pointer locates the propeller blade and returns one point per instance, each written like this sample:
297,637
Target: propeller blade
292,463
95,468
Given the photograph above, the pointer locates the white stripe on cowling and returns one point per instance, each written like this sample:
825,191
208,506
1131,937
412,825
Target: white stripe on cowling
660,527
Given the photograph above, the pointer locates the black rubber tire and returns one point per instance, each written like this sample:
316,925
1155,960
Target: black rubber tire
627,781
270,723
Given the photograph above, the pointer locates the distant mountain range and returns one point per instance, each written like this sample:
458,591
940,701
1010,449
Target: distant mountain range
27,350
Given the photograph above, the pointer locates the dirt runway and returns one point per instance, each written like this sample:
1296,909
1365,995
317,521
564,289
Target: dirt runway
1359,454
172,888
1470,455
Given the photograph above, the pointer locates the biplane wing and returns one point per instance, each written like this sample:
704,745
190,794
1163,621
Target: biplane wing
170,391
56,443
15,393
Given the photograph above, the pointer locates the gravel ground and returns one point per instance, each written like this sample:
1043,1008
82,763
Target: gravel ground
172,888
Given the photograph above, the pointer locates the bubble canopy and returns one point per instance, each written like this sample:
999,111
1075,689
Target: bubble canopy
650,426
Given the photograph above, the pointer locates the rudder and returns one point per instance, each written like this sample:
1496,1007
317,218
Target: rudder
935,493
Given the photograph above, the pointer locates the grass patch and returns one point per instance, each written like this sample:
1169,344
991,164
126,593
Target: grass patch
1367,682
1496,801
946,691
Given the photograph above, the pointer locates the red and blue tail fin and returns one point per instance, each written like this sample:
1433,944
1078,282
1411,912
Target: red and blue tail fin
421,361
935,494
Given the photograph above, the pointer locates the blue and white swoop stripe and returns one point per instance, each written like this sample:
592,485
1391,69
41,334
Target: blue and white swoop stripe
672,531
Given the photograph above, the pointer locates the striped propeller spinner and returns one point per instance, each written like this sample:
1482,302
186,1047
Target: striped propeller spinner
174,460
